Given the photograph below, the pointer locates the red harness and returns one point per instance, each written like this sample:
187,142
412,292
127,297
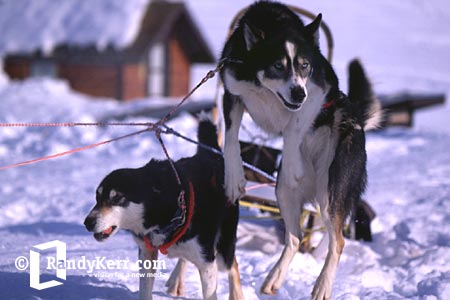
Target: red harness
328,104
180,232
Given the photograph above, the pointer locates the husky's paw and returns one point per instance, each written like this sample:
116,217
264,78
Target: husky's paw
322,288
236,295
175,286
272,282
234,181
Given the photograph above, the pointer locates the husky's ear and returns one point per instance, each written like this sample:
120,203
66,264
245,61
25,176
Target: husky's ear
252,35
313,29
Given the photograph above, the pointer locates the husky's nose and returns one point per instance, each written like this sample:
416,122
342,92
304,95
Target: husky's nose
90,223
297,94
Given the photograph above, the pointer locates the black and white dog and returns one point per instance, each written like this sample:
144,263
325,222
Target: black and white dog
143,201
273,68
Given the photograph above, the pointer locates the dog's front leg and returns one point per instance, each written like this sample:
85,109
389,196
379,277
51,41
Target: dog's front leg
147,278
292,162
233,109
290,202
208,277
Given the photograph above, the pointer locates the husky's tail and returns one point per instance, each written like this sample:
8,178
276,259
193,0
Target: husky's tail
207,137
367,107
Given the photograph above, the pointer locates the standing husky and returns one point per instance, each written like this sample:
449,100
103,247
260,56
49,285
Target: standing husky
274,70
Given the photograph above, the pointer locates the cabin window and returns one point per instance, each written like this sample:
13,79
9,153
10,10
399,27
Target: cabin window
43,68
156,70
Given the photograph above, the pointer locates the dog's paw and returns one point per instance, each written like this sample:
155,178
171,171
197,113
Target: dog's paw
272,282
234,182
322,288
175,288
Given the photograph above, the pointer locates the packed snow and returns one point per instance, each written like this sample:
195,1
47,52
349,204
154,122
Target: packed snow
405,48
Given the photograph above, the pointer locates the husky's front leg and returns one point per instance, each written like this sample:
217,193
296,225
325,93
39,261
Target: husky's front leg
208,277
146,282
292,162
233,109
290,202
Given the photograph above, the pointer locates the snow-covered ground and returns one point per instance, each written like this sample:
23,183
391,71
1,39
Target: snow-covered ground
403,46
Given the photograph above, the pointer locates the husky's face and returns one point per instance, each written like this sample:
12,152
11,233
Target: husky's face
113,211
284,61
287,76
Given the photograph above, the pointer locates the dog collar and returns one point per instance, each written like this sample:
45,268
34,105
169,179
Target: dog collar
328,104
178,232
333,100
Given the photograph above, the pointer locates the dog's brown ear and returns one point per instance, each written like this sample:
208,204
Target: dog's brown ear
312,29
252,35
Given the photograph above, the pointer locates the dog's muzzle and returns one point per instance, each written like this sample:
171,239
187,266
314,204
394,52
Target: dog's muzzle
289,105
90,222
103,235
298,95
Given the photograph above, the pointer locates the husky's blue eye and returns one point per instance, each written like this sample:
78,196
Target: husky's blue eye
305,65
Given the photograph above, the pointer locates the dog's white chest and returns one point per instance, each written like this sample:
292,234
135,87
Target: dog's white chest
267,111
263,106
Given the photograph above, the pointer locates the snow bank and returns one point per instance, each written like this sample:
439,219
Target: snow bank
50,101
41,95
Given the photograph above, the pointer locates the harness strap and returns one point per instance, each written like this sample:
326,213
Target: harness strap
179,232
329,103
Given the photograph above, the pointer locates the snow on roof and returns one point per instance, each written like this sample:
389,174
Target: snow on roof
29,25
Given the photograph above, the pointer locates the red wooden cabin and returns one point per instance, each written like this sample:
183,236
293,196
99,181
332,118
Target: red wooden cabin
156,62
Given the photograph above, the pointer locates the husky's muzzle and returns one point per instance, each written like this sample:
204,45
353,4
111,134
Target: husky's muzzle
297,96
91,223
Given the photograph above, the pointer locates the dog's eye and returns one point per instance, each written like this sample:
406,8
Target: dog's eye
119,199
278,66
304,65
116,197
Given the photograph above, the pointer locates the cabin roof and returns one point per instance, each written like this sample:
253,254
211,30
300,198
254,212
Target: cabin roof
28,26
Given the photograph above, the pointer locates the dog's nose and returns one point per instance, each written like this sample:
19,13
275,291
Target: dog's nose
90,223
298,94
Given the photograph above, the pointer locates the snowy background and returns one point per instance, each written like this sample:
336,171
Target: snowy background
404,46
